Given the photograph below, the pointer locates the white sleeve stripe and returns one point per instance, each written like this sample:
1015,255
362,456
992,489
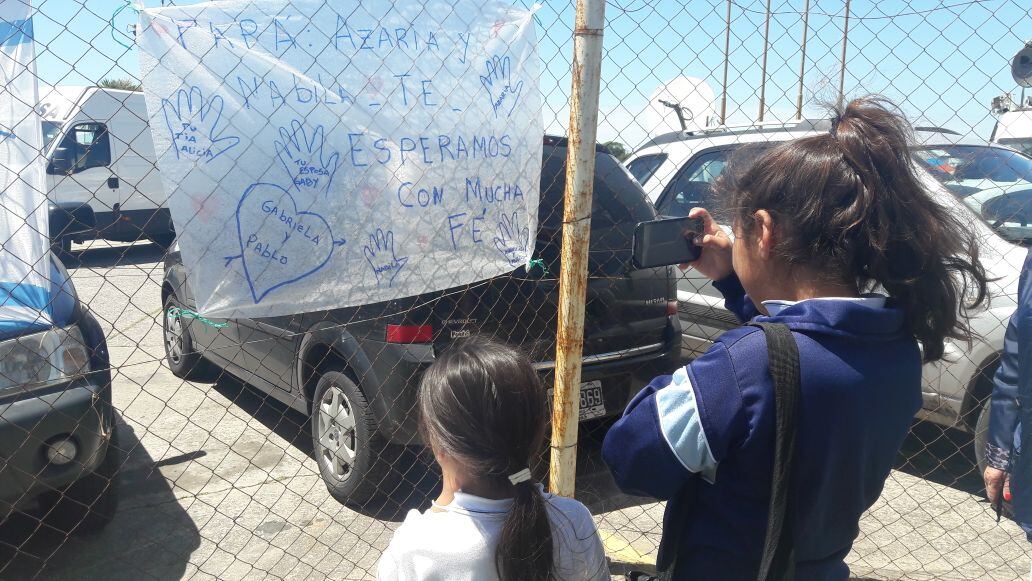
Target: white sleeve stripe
681,426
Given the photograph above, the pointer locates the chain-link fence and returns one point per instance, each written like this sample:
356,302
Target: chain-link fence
285,446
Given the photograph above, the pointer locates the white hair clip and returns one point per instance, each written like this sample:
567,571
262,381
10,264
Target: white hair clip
521,476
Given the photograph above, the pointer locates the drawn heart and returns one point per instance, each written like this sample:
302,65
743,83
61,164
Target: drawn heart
279,245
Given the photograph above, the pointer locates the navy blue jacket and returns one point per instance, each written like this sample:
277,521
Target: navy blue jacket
714,420
1012,402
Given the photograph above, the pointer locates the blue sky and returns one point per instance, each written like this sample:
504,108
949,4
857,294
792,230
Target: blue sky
942,66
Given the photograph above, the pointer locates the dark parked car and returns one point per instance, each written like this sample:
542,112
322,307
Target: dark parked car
58,437
355,370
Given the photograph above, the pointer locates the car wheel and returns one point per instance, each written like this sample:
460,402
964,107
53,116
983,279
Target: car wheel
88,505
183,360
354,458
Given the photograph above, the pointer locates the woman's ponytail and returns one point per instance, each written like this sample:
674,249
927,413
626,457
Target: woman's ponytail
525,546
860,213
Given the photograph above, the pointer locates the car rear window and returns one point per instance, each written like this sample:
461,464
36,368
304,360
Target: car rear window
616,199
617,205
645,166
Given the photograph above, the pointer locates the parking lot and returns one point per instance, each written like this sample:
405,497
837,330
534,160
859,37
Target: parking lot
219,482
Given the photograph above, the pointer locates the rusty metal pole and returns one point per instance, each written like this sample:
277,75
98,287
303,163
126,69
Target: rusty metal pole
842,73
763,73
573,272
727,57
802,61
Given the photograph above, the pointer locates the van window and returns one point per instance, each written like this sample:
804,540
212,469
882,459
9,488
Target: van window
50,131
693,186
88,145
645,166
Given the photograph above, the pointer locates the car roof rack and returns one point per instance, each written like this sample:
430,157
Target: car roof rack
742,129
930,129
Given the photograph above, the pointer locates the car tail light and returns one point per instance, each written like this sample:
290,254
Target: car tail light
410,333
671,308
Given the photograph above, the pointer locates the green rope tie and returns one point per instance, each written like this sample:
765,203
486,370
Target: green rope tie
177,313
539,263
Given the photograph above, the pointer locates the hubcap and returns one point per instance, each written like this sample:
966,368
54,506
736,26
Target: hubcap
174,338
337,437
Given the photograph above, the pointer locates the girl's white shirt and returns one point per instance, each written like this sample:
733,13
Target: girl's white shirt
458,541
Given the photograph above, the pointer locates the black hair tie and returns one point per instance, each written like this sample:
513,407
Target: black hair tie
834,126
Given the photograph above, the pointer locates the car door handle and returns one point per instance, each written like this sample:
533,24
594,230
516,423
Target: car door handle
112,183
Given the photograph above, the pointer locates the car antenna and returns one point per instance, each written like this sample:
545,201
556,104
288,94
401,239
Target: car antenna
679,110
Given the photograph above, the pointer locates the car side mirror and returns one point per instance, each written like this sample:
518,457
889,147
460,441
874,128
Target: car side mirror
61,164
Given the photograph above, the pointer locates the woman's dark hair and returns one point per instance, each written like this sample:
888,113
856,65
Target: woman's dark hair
858,212
482,404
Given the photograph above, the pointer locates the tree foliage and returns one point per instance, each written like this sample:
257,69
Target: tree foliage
618,149
122,84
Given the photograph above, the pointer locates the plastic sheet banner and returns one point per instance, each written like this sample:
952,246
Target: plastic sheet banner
328,153
24,222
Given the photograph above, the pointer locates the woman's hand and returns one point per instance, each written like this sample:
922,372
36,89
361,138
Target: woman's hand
715,261
995,484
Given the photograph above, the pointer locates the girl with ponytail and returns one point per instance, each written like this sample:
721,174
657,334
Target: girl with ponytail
838,238
483,413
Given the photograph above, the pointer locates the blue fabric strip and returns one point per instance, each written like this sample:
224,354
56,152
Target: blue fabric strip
10,327
681,425
16,294
16,32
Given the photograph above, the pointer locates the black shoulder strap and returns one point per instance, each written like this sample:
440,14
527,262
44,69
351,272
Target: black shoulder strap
778,562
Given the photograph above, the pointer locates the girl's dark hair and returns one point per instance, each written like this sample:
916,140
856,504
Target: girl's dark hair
482,404
850,204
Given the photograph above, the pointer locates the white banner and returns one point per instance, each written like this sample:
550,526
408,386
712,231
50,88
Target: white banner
327,153
24,215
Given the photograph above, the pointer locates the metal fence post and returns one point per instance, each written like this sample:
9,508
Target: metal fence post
802,60
727,57
573,274
763,68
842,71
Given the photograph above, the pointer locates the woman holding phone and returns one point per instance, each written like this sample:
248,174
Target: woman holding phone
823,226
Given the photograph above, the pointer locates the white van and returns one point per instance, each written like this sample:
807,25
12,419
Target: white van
1014,129
102,176
1013,122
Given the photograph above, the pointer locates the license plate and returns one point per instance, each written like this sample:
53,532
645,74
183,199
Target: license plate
591,403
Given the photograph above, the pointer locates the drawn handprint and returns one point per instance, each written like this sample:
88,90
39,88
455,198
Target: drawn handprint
382,258
512,241
194,125
305,157
498,83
